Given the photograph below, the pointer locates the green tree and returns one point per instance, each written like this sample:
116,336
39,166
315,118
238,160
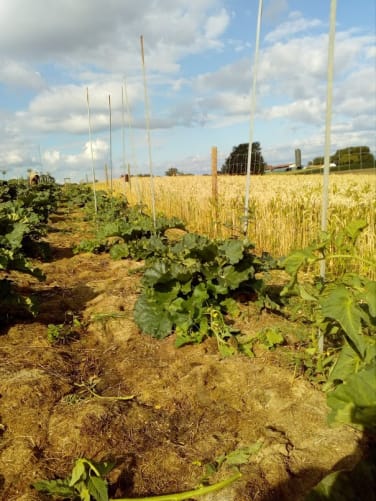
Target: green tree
318,161
172,171
236,162
354,156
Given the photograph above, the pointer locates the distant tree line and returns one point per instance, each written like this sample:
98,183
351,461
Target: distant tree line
173,171
354,157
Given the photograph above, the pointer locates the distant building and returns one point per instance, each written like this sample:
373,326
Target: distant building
279,168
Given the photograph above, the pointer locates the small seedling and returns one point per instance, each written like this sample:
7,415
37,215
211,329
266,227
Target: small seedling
87,481
65,332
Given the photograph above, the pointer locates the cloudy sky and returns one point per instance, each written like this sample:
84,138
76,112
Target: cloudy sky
198,58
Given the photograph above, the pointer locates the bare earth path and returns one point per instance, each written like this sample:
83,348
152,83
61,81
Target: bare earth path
188,406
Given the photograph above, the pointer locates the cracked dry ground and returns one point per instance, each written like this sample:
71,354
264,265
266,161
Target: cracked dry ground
189,406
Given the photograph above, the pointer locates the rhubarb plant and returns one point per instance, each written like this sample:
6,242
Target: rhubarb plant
190,290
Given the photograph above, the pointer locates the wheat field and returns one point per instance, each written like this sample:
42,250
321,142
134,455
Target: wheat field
284,210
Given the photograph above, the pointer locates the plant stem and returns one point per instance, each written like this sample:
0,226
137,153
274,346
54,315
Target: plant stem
346,256
128,397
187,494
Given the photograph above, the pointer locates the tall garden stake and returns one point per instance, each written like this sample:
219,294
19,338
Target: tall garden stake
133,150
123,139
147,116
328,121
91,152
252,119
110,118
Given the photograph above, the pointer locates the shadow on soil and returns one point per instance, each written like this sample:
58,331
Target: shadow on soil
52,306
60,252
352,482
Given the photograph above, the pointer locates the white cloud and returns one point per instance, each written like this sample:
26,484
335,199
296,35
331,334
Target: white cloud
216,25
15,74
274,9
107,34
306,111
235,77
51,157
296,23
12,158
195,76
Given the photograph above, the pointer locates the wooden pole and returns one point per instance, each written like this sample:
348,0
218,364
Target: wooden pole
214,173
123,128
106,174
129,176
110,118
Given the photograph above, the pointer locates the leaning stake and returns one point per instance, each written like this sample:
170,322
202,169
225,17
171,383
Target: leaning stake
147,116
328,121
252,119
91,151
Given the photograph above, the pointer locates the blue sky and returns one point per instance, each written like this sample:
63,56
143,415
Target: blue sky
199,65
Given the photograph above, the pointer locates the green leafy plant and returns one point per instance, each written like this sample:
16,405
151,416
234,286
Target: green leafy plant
131,234
189,290
87,481
269,338
17,226
109,208
342,485
233,459
354,401
66,331
341,308
23,215
76,195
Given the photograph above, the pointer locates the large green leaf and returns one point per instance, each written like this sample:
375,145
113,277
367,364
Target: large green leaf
354,228
198,297
165,293
233,250
340,305
346,364
299,258
370,296
349,361
98,488
354,401
183,271
78,472
16,236
355,485
157,272
58,488
232,277
119,251
151,319
196,246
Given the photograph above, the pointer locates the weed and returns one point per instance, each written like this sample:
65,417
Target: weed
65,332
